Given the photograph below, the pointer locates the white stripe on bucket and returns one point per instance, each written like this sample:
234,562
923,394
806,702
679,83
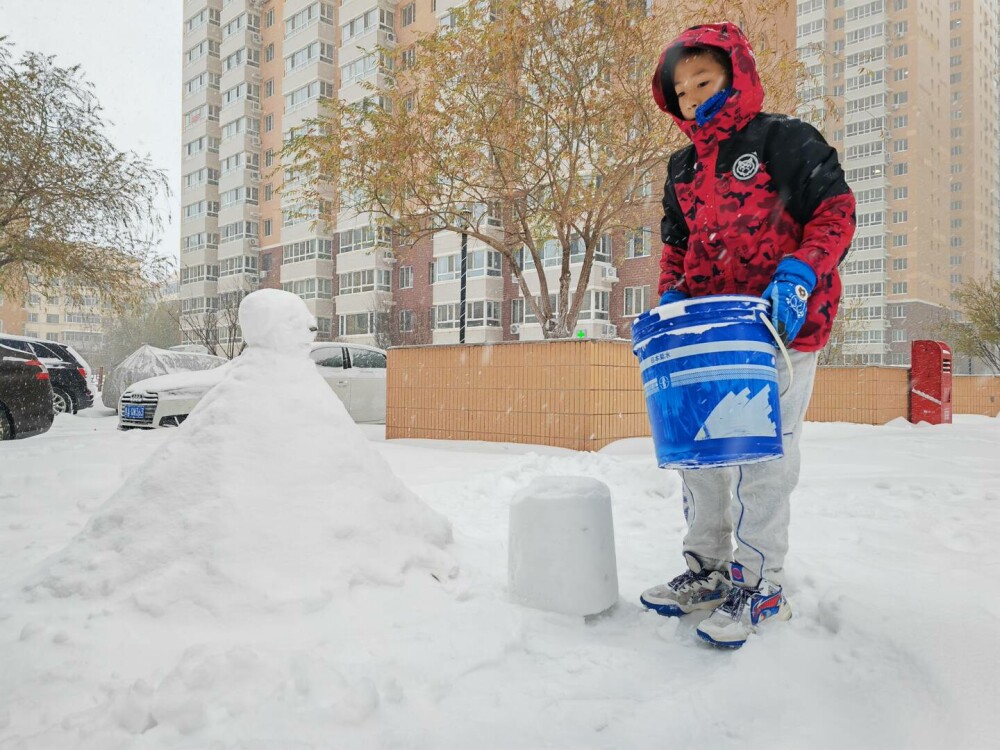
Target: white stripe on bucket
707,348
723,372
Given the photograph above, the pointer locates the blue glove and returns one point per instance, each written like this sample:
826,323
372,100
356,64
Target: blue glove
672,295
788,292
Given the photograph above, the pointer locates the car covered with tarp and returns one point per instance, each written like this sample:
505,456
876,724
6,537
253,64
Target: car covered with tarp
150,362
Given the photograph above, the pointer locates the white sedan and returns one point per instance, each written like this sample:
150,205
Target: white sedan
355,372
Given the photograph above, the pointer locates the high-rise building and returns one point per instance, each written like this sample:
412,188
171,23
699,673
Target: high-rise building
907,92
254,72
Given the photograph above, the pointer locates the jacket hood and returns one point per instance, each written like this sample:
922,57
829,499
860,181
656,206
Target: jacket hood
747,95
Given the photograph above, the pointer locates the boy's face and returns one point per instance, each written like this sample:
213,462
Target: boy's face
696,79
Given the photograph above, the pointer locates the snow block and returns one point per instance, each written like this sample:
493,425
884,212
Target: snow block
562,546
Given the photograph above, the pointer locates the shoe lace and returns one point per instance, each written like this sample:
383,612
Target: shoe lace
687,578
736,600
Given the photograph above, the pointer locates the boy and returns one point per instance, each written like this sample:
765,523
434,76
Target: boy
756,205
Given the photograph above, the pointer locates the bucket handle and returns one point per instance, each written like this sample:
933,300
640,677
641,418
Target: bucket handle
781,345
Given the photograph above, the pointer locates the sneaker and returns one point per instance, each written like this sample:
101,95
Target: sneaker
742,613
698,587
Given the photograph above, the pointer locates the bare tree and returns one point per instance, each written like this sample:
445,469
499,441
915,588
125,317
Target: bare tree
526,125
72,206
977,332
852,317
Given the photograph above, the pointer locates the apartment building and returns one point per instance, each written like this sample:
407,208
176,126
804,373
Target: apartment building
55,314
907,92
254,72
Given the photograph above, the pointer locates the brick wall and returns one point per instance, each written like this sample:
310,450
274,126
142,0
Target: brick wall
586,394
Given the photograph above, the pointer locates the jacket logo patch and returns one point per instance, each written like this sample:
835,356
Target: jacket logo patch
746,167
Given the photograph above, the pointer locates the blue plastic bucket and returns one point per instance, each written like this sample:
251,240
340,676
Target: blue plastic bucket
711,385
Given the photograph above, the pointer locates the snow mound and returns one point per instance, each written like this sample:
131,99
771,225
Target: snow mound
267,496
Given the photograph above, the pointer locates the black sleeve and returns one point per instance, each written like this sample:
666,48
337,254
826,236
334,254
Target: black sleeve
673,227
807,170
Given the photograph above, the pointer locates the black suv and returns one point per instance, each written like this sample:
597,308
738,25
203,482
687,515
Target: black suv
70,389
26,404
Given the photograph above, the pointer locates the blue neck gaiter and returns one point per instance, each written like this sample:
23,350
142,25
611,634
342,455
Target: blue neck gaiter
711,106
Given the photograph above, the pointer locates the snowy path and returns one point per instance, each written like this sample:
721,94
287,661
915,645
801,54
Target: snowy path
893,644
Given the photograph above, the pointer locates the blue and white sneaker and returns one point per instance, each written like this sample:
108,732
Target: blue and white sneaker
700,587
746,608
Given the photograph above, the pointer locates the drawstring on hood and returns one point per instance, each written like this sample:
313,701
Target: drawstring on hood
745,95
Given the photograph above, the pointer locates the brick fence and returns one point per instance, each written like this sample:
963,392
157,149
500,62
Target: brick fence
586,394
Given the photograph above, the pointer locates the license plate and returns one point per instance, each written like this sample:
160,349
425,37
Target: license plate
134,412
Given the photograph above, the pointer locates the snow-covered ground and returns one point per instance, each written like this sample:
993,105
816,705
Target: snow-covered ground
893,643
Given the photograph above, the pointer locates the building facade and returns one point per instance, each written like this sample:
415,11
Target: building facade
907,92
254,72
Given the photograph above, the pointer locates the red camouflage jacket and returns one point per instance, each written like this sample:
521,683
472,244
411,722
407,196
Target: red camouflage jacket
751,189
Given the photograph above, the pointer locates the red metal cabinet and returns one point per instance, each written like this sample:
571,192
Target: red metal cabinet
930,382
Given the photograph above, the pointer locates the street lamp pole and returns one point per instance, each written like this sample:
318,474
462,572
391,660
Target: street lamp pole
461,288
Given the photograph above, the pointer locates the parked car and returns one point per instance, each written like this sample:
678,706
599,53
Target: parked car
26,405
355,372
149,362
71,383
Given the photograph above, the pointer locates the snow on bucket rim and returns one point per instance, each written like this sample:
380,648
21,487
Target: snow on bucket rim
685,307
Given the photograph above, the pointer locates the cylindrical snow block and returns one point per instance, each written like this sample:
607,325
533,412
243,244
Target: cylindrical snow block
711,385
562,546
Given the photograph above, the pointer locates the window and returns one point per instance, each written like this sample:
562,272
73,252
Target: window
955,78
898,335
899,287
406,277
268,228
636,300
406,321
269,52
307,17
269,87
205,47
954,241
363,238
316,51
368,280
409,14
901,168
482,313
269,157
901,121
900,74
312,90
269,18
901,50
408,58
899,217
268,191
899,240
900,193
315,249
955,260
899,264
902,27
310,288
900,98
204,113
367,22
241,22
269,123
366,358
202,81
638,243
956,205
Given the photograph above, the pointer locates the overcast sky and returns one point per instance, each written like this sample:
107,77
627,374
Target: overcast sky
131,51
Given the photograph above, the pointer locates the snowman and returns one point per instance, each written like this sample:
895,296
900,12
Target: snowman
268,495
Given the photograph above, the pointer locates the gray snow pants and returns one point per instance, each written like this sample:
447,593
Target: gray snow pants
752,501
